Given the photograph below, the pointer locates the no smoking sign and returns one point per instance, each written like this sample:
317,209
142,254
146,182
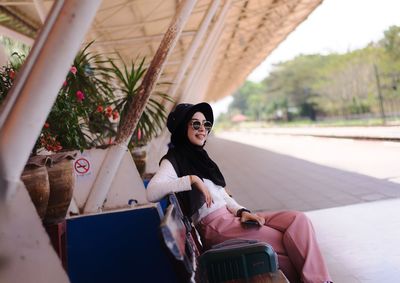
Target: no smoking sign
82,166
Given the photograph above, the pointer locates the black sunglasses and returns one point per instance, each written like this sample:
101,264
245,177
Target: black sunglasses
197,124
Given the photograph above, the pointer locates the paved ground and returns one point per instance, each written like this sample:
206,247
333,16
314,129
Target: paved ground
356,217
373,132
265,180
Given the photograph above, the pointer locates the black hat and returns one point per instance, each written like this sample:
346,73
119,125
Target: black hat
181,112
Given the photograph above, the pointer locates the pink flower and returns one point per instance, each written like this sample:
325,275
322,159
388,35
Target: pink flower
99,109
115,115
11,74
73,70
64,83
109,111
80,95
139,134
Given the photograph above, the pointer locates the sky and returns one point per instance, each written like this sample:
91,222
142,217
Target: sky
334,26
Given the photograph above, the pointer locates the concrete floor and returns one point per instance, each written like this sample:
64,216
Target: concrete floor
356,217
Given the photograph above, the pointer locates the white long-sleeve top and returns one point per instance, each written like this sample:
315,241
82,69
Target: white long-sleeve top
166,181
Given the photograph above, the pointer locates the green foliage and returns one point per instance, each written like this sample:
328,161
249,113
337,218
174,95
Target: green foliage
11,47
8,74
76,120
391,42
249,100
311,86
154,115
89,105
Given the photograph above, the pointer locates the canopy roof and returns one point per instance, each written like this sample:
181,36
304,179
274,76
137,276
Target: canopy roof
134,29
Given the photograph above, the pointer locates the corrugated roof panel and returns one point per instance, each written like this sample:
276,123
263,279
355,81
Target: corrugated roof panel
134,28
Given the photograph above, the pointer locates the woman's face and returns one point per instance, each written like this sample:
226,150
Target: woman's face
199,136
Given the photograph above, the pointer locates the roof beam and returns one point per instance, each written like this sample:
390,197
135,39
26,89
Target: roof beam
16,35
139,39
14,20
40,9
193,47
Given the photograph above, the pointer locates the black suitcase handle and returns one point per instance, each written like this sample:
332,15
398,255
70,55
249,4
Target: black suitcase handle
234,242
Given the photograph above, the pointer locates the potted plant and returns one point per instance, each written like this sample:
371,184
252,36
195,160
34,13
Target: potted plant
81,117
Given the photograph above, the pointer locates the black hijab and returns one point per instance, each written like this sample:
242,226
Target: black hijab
190,159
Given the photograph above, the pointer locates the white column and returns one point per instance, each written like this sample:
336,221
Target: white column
206,74
193,47
187,94
25,247
158,146
199,85
30,100
215,32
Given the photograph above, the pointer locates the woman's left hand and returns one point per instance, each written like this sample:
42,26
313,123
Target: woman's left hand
252,216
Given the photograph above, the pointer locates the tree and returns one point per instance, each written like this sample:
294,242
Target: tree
247,98
391,41
345,84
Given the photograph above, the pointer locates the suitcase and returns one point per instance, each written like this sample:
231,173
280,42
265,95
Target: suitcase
237,259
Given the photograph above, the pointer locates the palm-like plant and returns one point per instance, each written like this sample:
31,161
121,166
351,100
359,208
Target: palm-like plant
154,115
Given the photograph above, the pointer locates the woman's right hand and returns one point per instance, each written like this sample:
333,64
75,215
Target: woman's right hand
199,184
252,216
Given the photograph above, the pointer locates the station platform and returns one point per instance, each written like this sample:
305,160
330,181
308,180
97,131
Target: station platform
356,217
388,133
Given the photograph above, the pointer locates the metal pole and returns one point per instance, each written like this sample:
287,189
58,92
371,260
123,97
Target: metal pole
203,75
30,100
157,146
193,47
188,85
378,86
114,155
216,30
207,71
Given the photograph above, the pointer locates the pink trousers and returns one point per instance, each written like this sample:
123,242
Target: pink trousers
290,233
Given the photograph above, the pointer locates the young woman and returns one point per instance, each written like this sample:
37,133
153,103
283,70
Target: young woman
188,171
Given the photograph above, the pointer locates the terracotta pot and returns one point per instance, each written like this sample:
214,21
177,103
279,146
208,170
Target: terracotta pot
62,183
36,181
140,165
139,157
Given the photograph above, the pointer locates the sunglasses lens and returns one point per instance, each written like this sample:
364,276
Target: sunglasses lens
196,125
207,125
